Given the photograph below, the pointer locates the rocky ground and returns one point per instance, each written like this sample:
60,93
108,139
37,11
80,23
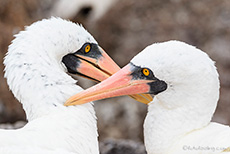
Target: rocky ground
13,17
127,28
111,146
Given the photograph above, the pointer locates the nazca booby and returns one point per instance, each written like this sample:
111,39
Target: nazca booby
185,83
35,69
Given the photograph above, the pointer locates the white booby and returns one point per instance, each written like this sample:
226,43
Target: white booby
185,83
35,69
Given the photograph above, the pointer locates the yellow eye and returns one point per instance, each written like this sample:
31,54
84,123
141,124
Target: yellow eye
87,48
145,71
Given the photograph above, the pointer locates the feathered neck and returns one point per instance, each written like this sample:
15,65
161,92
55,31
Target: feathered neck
165,125
34,70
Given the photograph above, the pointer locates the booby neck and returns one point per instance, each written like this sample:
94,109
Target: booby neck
34,70
164,126
189,101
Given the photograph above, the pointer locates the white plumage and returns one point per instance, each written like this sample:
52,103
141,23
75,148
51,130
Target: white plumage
38,80
178,119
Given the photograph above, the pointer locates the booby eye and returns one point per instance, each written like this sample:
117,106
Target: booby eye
145,71
87,48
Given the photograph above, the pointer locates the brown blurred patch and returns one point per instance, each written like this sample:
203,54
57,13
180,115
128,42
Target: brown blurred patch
14,15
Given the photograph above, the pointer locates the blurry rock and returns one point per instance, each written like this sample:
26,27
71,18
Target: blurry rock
13,17
120,117
219,49
132,25
111,146
16,125
80,9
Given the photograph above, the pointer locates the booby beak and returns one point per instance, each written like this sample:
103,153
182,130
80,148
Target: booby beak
96,65
129,80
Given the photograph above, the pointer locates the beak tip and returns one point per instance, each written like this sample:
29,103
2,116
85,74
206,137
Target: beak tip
68,103
143,98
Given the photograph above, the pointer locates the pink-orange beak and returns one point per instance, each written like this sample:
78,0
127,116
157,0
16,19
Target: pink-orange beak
97,66
128,81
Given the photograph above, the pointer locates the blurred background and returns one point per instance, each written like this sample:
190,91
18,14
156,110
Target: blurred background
123,28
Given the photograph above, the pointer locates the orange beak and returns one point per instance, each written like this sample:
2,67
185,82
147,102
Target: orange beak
97,67
121,83
104,62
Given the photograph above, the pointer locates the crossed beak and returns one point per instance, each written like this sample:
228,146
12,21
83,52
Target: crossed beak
124,82
97,67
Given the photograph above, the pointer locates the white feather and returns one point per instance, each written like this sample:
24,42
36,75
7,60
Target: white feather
38,79
179,117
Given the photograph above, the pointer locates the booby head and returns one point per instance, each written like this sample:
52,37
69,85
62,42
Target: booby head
55,41
171,71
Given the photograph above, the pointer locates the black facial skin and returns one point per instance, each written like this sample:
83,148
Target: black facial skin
156,86
72,61
94,52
